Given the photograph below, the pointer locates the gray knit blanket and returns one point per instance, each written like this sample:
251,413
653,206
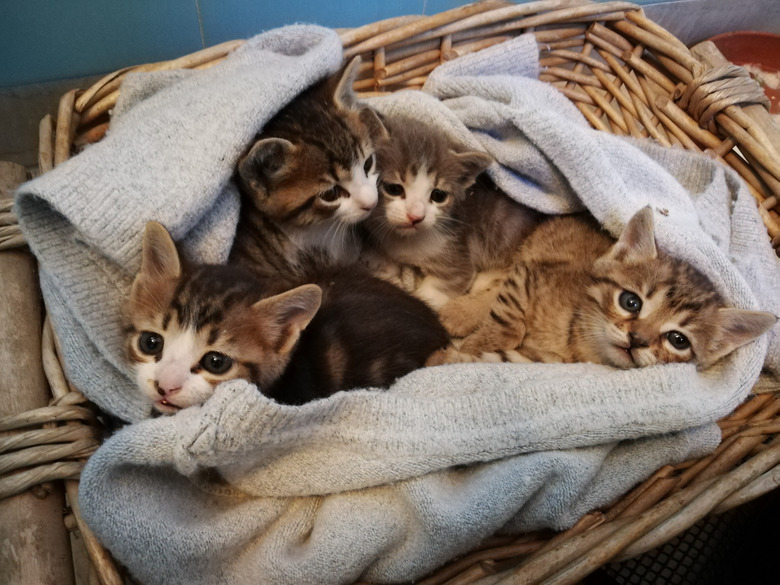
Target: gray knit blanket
378,485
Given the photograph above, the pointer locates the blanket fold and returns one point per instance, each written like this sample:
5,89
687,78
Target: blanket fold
383,486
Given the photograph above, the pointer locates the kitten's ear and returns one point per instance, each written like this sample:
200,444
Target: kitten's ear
265,162
343,94
283,316
159,257
373,121
472,164
637,242
737,327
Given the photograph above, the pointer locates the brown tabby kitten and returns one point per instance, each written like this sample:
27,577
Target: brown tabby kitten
307,180
191,327
435,216
576,295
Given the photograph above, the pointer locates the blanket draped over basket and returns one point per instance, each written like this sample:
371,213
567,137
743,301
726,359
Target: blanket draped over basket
381,485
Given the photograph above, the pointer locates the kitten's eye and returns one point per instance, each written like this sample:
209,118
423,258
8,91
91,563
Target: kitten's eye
630,302
369,164
150,343
439,196
393,189
216,363
332,194
678,340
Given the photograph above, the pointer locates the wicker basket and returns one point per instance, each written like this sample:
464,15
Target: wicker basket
627,76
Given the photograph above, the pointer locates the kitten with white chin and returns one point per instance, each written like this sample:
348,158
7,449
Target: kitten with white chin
190,327
307,180
577,295
433,214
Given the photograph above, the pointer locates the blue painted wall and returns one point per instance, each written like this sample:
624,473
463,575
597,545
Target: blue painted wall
44,40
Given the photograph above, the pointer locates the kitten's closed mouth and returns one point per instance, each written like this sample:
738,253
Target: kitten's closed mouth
626,358
167,407
409,228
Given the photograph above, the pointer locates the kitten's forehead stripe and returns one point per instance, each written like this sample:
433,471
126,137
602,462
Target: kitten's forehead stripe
341,143
693,307
607,280
686,321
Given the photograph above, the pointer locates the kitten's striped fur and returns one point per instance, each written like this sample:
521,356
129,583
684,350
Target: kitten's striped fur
434,217
576,295
307,180
188,328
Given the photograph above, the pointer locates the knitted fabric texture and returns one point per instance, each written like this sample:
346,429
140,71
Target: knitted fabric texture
378,485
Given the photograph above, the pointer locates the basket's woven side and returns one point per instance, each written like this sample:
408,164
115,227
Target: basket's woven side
52,442
628,77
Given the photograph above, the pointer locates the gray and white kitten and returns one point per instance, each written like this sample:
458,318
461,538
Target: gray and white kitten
438,218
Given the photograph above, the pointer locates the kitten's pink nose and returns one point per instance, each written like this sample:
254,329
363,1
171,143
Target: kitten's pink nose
414,218
166,391
169,379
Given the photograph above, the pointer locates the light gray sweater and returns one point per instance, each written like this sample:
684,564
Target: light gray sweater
380,485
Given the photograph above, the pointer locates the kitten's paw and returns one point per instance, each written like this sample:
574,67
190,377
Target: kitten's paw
457,319
449,355
463,315
438,358
491,338
433,291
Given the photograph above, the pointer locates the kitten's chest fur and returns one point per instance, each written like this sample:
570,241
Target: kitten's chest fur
435,252
336,242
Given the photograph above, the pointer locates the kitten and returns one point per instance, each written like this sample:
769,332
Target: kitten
435,216
576,295
188,328
307,180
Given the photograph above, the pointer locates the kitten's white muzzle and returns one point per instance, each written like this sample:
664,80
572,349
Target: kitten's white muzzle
362,192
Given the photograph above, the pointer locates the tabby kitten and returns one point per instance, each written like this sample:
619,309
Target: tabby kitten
309,177
188,328
576,295
435,217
